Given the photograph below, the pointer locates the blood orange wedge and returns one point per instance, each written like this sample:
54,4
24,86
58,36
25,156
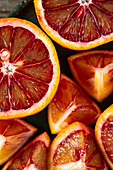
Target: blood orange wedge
74,148
29,69
93,71
13,134
76,24
32,157
70,104
104,134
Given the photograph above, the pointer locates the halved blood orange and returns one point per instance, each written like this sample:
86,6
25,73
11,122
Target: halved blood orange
76,24
104,134
29,69
13,134
70,104
93,71
32,157
74,148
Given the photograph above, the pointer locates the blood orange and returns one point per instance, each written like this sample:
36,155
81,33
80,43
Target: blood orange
93,71
13,134
32,157
29,69
70,104
76,24
104,134
75,148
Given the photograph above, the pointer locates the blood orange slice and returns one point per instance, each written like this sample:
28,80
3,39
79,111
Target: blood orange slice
93,71
32,157
76,24
13,134
70,104
29,69
104,134
75,148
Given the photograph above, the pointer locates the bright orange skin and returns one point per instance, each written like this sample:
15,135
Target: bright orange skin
98,129
60,40
36,107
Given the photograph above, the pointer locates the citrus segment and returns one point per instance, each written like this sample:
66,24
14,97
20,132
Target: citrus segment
13,134
70,104
104,134
32,156
93,71
75,148
76,24
29,69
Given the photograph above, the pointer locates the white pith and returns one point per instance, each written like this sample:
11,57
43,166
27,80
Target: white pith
2,141
31,167
85,2
7,67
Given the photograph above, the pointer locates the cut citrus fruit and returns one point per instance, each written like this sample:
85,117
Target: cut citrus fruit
76,24
29,69
93,71
13,134
70,104
75,148
104,134
32,157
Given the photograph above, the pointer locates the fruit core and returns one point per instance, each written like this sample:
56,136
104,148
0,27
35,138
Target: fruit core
85,2
7,67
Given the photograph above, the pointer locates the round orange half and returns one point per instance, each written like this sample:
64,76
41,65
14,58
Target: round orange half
76,24
104,134
29,69
13,135
74,148
32,157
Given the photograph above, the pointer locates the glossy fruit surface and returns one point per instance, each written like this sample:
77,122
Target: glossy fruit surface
32,157
13,135
29,69
93,71
76,24
104,134
70,104
75,148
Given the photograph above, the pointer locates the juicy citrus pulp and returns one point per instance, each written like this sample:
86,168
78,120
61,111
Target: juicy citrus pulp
104,134
32,157
70,104
29,69
13,134
75,148
76,24
93,71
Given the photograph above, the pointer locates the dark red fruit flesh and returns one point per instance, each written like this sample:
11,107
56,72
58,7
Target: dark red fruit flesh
82,21
107,137
74,147
26,74
35,154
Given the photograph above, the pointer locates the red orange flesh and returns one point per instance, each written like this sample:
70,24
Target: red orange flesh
13,135
76,24
75,148
32,156
93,71
29,69
70,104
104,134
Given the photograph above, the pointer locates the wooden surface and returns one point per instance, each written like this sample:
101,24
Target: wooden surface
6,6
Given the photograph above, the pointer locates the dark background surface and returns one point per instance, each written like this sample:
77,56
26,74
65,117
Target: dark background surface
39,120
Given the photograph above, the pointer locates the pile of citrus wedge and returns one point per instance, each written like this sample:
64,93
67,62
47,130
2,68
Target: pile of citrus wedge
30,80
